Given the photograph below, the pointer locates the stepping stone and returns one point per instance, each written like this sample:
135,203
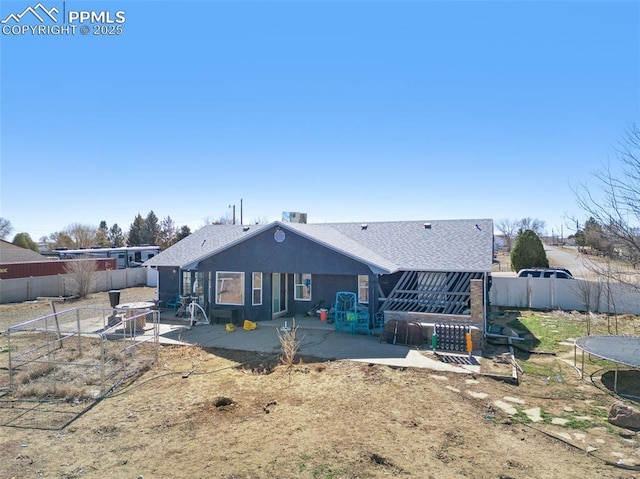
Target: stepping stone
579,436
591,449
564,435
451,388
508,408
567,409
583,418
439,378
477,395
515,400
533,414
472,381
559,421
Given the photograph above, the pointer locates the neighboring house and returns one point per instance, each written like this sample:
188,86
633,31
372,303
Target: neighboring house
10,253
266,271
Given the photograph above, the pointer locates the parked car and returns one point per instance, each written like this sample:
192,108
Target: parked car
561,273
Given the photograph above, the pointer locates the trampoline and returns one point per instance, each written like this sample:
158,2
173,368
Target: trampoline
623,350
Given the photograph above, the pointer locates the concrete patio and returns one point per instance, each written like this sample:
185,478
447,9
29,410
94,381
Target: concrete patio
317,339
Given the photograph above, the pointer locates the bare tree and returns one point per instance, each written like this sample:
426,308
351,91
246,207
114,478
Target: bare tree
589,293
508,228
614,204
5,228
60,239
223,220
84,236
83,275
533,224
261,220
289,346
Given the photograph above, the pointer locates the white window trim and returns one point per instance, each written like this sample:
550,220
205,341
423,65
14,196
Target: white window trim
254,289
241,273
360,288
297,276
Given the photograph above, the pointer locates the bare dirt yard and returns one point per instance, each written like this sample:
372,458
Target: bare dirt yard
231,415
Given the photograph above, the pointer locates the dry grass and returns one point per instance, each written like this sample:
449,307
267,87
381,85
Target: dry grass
198,414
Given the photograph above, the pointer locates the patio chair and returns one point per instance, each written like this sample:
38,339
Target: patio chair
175,303
349,316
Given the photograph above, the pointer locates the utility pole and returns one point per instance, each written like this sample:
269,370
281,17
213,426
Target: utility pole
234,213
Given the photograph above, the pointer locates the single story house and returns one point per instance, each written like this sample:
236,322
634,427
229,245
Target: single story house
436,269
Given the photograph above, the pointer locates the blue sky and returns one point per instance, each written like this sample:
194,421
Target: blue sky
345,110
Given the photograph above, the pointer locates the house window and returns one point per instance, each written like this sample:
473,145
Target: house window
186,283
363,288
256,285
198,287
229,288
302,286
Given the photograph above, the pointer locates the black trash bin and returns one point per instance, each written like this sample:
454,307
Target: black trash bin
114,297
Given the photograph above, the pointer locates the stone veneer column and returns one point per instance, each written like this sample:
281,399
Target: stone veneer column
477,303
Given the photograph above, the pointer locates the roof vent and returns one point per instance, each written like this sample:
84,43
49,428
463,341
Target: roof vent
427,226
245,228
364,226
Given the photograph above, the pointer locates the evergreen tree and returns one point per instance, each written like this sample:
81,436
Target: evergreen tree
594,236
102,235
136,231
528,252
24,241
183,233
116,236
151,230
167,233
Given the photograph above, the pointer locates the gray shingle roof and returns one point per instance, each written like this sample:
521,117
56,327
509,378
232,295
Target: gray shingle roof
445,245
10,253
203,243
